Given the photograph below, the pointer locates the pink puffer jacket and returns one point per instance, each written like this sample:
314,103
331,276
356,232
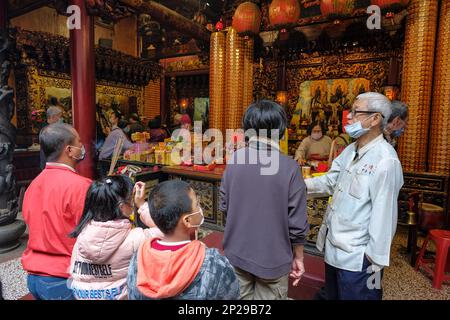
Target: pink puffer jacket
102,254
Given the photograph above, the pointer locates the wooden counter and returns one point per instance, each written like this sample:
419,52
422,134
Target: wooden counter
190,172
206,185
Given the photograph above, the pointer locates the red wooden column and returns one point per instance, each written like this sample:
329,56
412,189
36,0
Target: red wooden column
83,86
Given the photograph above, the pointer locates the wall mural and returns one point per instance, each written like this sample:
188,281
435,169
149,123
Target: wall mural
324,100
43,88
351,70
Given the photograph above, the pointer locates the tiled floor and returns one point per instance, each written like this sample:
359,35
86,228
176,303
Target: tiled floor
400,281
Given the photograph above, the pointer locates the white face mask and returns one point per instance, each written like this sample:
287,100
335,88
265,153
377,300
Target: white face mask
194,213
83,153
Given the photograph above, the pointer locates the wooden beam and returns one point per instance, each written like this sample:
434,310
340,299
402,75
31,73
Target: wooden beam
27,8
170,18
189,48
195,72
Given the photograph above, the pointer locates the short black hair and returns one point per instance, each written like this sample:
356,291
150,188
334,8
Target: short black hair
319,123
265,114
167,202
155,123
53,100
122,124
54,138
135,117
102,201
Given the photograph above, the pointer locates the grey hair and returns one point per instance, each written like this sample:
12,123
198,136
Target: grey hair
379,103
54,111
54,138
399,109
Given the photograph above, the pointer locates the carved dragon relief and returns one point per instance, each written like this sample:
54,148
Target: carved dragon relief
8,197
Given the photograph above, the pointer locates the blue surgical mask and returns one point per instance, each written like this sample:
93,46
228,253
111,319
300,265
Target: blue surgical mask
398,133
356,130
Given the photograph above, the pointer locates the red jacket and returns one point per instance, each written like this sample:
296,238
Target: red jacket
52,207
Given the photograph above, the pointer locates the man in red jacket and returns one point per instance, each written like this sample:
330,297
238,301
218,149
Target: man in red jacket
52,207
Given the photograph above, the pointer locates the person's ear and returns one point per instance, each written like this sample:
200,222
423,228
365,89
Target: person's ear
377,120
68,150
185,221
123,208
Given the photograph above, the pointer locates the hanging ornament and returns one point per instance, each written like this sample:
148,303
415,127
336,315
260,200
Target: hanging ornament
284,13
247,19
219,25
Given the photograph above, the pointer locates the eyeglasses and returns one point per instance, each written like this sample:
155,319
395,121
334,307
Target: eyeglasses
354,112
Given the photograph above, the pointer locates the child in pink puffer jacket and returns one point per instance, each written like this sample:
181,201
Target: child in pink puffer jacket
106,239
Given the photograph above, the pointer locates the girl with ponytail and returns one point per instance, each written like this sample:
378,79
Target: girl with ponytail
106,239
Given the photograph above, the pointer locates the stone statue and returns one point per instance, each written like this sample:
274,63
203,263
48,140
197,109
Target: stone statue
10,228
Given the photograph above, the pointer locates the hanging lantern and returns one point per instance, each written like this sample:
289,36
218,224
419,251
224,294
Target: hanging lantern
184,103
336,9
281,97
247,19
390,7
284,13
219,25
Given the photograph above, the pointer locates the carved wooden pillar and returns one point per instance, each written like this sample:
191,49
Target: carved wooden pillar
163,109
439,154
417,80
10,228
83,86
234,79
247,96
217,81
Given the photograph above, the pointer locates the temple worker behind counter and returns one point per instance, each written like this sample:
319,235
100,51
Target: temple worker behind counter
314,147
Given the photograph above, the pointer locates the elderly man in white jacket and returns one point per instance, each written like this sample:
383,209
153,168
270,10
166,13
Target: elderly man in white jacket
360,222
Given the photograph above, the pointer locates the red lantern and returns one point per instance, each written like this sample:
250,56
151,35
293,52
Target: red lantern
335,9
247,19
283,13
219,25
